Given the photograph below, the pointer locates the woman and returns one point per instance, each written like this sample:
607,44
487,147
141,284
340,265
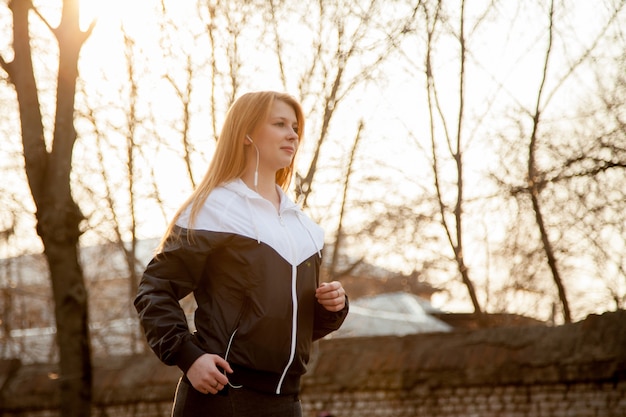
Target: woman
252,260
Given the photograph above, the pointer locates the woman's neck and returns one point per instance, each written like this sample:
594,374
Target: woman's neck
265,187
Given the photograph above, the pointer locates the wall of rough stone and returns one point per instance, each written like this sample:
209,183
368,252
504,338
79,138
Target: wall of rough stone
576,370
574,400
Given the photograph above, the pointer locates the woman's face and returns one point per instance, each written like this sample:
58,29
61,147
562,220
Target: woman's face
277,138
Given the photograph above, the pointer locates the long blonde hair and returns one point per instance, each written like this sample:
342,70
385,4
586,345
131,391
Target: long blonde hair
229,160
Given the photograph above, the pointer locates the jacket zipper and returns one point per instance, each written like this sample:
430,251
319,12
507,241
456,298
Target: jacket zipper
294,304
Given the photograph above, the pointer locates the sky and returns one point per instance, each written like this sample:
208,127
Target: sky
393,111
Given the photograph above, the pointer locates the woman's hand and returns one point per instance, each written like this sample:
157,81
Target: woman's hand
331,295
205,375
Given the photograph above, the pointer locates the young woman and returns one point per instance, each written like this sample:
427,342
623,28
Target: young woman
252,260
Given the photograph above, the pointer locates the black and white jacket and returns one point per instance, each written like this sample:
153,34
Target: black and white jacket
253,273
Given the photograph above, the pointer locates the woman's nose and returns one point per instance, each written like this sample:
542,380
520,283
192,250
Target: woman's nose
293,135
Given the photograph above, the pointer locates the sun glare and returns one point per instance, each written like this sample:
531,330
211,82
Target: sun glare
113,19
113,13
91,10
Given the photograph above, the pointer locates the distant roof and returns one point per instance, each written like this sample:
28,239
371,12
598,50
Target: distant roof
397,313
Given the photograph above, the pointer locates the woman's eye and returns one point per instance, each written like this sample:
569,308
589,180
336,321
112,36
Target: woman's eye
283,124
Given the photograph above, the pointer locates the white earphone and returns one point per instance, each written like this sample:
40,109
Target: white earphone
256,171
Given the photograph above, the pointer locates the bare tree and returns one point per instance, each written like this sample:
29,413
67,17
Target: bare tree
48,172
534,181
115,224
349,41
333,272
480,107
537,179
452,223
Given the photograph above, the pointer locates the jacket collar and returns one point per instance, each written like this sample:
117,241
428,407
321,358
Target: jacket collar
240,187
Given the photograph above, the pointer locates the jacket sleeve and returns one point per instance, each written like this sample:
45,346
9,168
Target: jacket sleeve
169,277
326,321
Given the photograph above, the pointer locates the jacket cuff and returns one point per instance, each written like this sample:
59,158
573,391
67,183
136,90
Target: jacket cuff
187,355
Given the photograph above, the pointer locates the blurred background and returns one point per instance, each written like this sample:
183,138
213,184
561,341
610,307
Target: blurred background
471,156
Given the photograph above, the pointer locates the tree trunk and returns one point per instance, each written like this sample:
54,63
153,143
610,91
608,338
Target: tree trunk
58,216
534,179
454,233
337,246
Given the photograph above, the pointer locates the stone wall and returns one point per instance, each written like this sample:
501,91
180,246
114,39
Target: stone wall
576,370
